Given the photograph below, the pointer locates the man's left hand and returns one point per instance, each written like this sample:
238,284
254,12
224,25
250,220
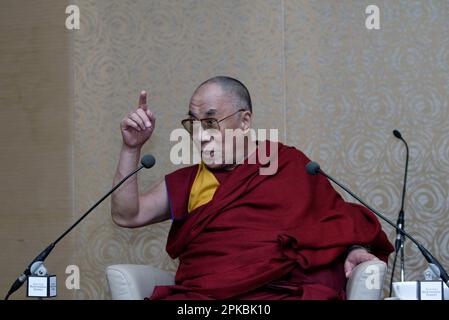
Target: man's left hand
356,257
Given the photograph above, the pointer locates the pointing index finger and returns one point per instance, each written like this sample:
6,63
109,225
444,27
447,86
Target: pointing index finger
143,100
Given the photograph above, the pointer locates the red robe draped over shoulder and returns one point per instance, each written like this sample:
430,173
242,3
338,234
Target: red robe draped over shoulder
281,236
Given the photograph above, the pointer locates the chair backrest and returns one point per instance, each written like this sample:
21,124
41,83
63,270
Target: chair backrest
366,281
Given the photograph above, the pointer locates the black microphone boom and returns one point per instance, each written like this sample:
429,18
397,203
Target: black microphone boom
401,221
400,240
314,168
147,162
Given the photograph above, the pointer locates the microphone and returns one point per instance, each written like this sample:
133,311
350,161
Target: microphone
147,162
401,222
313,168
397,134
400,240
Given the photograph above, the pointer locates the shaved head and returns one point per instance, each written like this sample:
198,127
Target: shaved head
235,89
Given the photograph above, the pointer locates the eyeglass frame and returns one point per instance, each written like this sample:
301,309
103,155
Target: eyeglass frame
201,121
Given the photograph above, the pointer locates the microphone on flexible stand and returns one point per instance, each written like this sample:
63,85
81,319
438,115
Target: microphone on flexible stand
146,162
400,240
313,168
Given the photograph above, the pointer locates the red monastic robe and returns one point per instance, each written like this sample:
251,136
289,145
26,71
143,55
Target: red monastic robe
281,236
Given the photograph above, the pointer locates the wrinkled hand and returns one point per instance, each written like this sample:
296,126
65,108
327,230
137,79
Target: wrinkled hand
356,257
138,126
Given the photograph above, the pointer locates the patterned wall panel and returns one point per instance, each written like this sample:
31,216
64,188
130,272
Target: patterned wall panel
347,89
166,48
333,88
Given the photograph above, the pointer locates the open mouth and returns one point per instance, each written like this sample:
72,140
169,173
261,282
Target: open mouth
208,153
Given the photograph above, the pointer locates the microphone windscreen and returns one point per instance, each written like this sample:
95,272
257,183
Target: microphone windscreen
148,161
397,134
313,168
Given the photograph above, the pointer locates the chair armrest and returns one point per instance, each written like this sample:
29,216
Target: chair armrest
366,281
135,282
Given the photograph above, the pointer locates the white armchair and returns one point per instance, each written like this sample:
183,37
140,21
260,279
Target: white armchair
135,282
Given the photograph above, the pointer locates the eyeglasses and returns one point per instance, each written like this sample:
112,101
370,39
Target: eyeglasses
206,123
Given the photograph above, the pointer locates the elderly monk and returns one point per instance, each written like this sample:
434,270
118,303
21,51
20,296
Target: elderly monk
240,234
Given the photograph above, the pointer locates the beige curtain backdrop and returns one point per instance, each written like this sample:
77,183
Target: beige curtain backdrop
333,88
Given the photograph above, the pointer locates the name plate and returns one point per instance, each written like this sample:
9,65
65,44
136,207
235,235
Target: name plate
41,286
430,290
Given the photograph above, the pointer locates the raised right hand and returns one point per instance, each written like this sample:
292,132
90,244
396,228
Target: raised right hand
138,126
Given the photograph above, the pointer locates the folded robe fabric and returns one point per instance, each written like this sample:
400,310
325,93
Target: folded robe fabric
261,233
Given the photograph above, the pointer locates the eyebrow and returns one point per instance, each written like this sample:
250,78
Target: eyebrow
210,112
191,114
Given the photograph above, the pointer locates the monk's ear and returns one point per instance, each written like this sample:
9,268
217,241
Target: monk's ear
246,121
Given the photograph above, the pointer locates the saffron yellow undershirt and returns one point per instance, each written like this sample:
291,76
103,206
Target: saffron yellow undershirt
203,188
